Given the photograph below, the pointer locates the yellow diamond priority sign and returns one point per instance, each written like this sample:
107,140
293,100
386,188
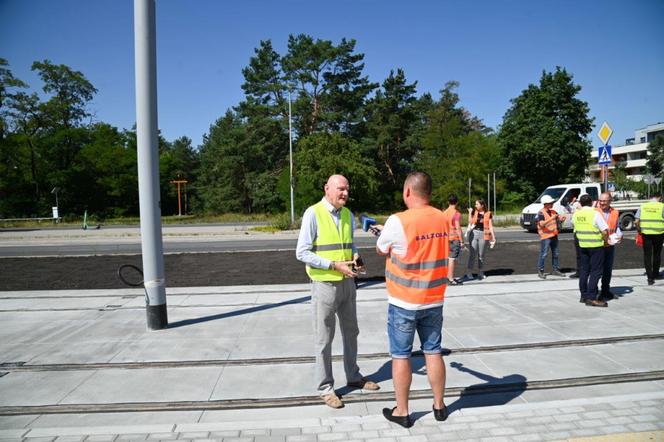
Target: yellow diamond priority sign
605,133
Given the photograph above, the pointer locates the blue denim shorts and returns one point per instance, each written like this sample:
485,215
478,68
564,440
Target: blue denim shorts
402,325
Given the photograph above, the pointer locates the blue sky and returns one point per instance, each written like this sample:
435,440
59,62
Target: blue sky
614,49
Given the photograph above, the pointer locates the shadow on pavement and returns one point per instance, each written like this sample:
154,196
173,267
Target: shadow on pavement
362,283
622,290
499,272
244,311
384,373
480,395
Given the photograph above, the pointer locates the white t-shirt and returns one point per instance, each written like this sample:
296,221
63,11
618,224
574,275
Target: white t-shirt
392,240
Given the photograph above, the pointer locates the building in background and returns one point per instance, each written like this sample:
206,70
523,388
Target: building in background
633,155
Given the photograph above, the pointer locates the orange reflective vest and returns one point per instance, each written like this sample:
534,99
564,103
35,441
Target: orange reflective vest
486,221
420,277
550,227
455,232
612,220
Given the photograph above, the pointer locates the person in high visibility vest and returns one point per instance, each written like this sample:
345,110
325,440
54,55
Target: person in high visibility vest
592,232
611,217
416,246
456,236
547,227
480,233
650,223
326,246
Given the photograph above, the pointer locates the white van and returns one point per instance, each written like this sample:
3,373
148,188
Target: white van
562,195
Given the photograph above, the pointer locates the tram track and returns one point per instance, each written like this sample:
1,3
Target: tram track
517,387
25,367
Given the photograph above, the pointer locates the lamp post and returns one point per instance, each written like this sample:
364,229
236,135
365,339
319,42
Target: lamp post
145,56
290,150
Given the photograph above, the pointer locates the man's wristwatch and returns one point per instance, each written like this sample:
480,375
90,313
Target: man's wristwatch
332,265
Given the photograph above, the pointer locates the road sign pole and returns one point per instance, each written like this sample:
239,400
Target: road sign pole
606,178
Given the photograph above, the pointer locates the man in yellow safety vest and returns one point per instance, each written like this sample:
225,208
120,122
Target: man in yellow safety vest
326,246
592,232
650,223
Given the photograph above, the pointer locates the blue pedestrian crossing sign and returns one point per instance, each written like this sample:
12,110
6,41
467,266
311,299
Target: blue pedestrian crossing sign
604,155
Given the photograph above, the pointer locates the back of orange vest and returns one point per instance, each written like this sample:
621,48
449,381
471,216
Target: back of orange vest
420,277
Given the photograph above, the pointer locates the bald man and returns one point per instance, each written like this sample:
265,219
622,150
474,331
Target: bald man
326,246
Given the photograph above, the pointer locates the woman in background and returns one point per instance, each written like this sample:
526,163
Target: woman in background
480,231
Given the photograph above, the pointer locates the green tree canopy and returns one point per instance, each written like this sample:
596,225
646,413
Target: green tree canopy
543,137
655,161
321,155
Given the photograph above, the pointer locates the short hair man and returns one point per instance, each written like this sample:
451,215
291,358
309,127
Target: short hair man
592,232
650,223
416,245
326,246
611,217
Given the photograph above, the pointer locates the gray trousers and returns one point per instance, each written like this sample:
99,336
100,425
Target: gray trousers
328,299
477,246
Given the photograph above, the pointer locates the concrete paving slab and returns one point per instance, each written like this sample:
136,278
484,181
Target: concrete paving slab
506,334
153,348
597,327
207,322
17,422
145,385
652,319
637,356
77,354
39,388
484,313
12,434
267,381
274,347
218,300
552,363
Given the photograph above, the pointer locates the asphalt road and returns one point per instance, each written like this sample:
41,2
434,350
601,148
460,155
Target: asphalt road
251,268
83,246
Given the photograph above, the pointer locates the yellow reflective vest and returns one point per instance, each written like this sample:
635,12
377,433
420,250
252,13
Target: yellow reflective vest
588,235
651,220
335,244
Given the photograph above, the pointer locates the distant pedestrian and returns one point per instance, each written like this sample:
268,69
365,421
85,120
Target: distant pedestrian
326,246
416,245
547,227
592,233
650,223
610,215
455,235
479,235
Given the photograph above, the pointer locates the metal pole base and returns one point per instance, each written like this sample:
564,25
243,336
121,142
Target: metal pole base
157,316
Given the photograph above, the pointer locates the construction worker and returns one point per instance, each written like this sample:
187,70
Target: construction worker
456,236
610,215
547,227
650,223
416,245
592,233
